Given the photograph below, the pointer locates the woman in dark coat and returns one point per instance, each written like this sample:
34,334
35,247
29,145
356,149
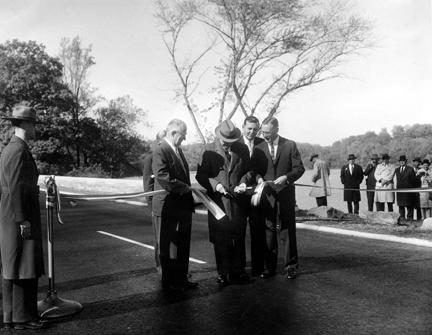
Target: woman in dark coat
20,225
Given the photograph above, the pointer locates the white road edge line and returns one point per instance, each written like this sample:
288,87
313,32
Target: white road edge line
373,236
144,245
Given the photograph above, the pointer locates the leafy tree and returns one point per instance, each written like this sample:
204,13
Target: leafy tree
266,49
28,73
118,143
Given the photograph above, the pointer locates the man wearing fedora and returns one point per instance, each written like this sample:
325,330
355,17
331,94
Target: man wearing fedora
369,172
277,163
20,225
173,210
405,178
384,175
351,177
320,178
224,173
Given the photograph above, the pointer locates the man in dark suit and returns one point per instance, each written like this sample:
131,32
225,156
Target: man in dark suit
20,225
369,172
406,178
277,162
148,185
249,137
351,177
224,173
173,210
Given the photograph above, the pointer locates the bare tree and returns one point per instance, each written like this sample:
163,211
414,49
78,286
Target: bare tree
267,49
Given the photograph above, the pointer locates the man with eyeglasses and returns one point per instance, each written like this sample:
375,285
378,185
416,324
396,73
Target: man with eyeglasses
173,210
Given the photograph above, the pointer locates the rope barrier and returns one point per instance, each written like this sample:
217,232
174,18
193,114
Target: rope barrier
395,190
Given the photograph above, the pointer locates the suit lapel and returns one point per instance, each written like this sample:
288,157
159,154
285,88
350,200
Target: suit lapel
185,164
221,152
178,164
279,149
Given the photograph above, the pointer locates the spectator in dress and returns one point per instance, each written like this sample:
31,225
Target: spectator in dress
425,175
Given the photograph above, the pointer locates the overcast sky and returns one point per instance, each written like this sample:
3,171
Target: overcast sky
390,85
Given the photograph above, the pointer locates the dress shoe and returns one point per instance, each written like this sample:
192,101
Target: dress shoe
291,273
222,279
30,325
191,284
173,288
267,274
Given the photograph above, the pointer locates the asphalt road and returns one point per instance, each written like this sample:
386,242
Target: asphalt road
346,285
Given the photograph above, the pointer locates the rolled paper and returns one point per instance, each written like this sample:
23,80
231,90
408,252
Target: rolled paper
212,207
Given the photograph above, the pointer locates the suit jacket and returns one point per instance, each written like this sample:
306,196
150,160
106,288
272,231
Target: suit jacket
173,176
257,140
406,179
369,172
215,168
148,178
287,162
351,181
21,258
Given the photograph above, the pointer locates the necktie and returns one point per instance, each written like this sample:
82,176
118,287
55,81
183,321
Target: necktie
402,169
272,151
180,158
228,155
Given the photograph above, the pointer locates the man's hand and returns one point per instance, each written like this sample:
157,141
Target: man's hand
220,189
240,189
281,180
25,229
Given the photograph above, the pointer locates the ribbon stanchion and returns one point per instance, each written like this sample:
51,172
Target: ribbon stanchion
53,306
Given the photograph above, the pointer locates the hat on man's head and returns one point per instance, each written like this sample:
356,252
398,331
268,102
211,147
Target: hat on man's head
385,156
22,113
417,159
227,131
313,156
426,161
374,156
351,156
402,158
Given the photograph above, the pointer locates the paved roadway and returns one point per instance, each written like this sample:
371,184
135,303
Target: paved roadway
346,285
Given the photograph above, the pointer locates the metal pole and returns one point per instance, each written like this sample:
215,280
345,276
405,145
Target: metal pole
53,306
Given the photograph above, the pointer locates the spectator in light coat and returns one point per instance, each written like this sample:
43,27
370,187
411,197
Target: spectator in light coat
384,175
320,178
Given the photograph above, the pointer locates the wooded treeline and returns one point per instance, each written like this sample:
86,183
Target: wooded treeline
412,141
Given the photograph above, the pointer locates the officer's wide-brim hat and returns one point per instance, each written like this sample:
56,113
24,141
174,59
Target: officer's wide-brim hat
351,156
22,113
227,131
385,156
402,158
417,159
